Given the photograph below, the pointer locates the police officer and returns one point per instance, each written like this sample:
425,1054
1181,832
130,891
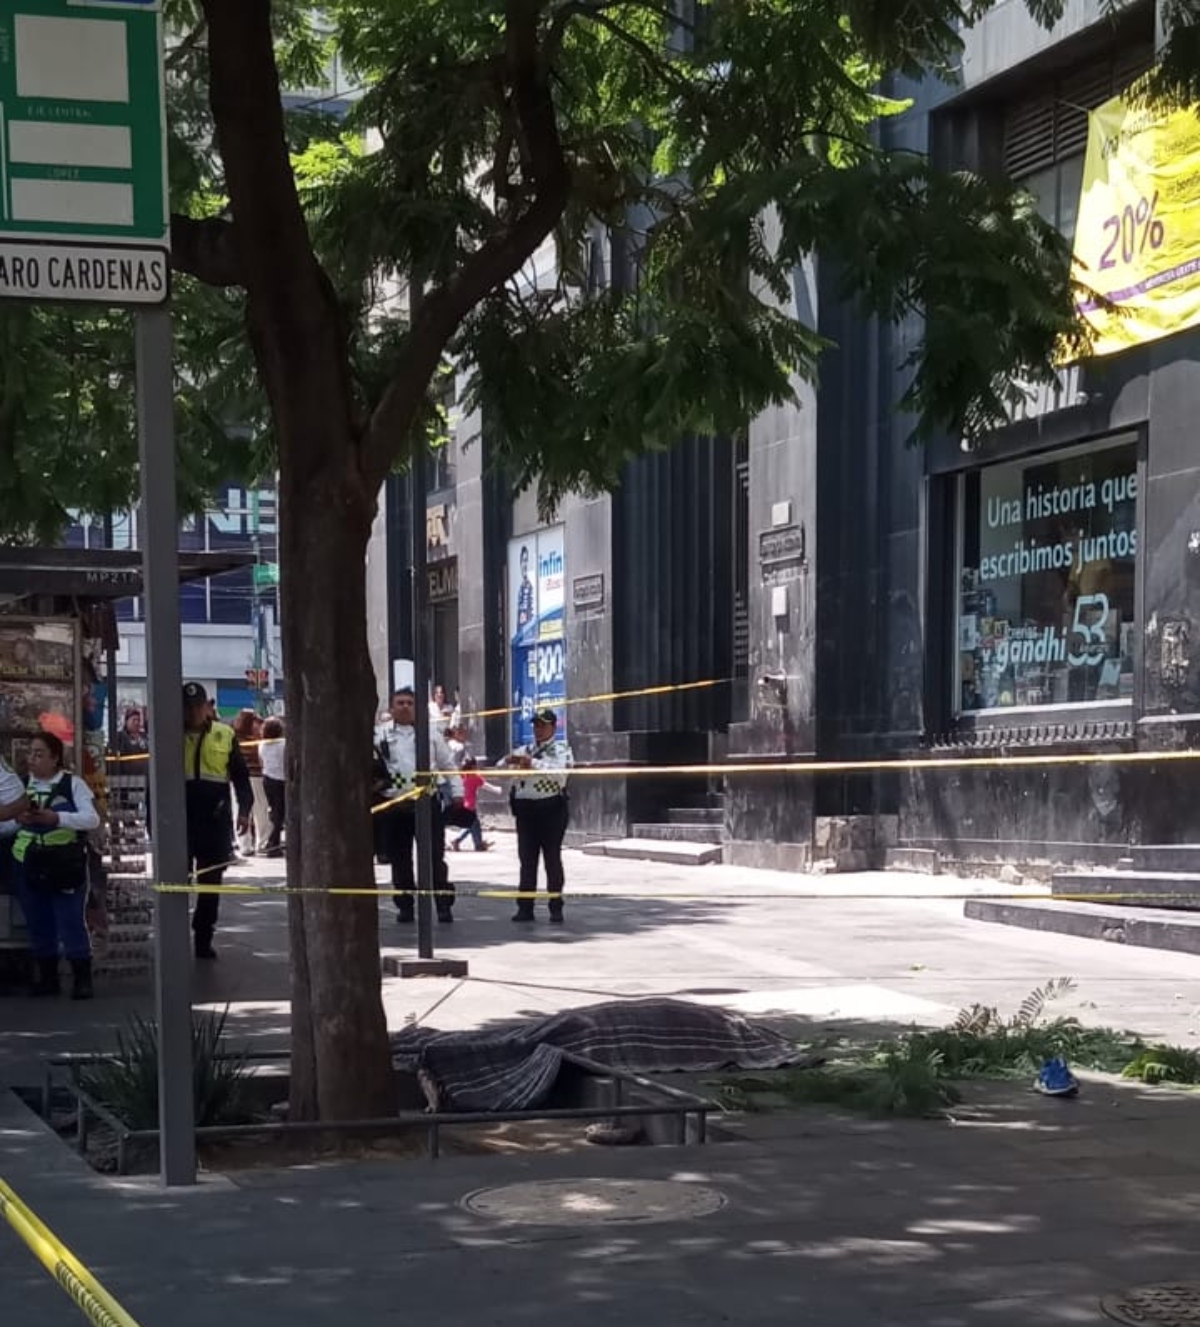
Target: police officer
396,760
51,863
212,760
12,801
539,803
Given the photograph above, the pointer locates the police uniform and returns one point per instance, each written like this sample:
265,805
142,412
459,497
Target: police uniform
54,901
396,757
12,789
539,804
212,760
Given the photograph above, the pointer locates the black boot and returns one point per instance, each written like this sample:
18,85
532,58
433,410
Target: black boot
204,946
81,979
45,981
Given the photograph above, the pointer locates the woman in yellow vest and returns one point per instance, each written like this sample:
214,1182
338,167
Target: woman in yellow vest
50,852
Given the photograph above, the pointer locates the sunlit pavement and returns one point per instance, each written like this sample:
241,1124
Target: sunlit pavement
1021,1211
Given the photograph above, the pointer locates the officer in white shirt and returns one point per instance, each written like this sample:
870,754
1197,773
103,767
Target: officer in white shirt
396,757
539,803
12,802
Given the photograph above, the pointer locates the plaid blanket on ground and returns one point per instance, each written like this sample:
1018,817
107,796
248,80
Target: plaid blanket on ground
516,1068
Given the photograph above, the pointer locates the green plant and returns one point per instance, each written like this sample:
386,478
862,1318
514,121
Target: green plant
898,1080
912,1074
1165,1064
127,1082
982,1043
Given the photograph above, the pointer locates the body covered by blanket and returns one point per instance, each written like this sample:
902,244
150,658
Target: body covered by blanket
515,1069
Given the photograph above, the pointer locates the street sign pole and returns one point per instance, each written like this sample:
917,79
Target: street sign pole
425,964
160,573
84,219
422,642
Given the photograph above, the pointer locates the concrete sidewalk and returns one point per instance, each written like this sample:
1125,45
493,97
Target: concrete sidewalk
1025,1211
854,953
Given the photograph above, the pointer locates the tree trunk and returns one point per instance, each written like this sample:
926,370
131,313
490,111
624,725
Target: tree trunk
341,1063
330,474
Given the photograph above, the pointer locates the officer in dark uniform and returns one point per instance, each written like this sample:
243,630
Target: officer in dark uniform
539,803
212,760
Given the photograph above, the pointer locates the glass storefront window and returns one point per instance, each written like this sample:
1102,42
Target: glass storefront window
1048,548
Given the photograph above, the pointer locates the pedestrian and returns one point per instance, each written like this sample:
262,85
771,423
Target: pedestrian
273,754
212,760
247,728
396,761
439,710
131,741
50,852
473,782
456,744
540,806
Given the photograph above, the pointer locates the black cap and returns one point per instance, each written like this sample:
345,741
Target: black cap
194,694
545,716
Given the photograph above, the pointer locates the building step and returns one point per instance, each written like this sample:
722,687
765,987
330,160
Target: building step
681,833
1146,928
1166,857
923,861
1145,889
656,850
696,815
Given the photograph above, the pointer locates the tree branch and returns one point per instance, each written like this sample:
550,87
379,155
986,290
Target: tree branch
656,60
178,55
296,326
271,234
206,249
593,8
443,309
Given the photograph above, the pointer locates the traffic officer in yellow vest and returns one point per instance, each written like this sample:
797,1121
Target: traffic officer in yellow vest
50,852
539,803
212,760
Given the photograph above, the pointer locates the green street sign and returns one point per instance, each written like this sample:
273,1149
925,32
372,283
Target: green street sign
83,182
266,573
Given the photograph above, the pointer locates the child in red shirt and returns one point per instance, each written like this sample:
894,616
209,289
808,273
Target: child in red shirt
472,783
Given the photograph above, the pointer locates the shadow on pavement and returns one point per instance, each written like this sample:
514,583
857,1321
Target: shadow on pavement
1026,1211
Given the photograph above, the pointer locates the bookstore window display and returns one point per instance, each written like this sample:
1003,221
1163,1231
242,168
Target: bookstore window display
1047,559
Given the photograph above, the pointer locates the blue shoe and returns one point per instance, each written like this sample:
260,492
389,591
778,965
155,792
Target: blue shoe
1056,1079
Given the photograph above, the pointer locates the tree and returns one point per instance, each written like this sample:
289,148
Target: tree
647,140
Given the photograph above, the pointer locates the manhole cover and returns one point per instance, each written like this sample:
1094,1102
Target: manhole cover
594,1202
1174,1305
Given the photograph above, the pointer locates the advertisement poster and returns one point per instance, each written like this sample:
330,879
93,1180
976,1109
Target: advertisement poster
537,619
38,683
1047,601
1137,241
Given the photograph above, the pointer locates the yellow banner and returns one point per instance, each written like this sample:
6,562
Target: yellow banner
1137,241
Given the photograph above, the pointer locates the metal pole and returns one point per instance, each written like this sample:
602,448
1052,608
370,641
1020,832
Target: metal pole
160,578
110,661
421,655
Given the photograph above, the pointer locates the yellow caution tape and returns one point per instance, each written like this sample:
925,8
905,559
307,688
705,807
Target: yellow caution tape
410,796
559,704
862,766
73,1278
672,896
600,697
767,766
